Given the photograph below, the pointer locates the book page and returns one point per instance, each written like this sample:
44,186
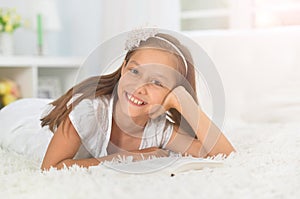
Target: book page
164,164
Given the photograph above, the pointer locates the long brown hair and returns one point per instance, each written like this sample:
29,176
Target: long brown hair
105,84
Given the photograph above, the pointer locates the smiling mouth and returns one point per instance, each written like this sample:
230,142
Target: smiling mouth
134,100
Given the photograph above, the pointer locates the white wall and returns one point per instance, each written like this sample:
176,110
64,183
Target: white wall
85,24
119,16
81,26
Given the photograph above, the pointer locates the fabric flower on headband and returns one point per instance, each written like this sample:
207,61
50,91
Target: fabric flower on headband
138,35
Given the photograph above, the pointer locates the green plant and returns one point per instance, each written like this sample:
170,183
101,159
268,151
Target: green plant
10,20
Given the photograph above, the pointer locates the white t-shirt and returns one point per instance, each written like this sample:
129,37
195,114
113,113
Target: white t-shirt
92,119
20,128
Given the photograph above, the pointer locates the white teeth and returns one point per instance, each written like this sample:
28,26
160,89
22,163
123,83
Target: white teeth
135,101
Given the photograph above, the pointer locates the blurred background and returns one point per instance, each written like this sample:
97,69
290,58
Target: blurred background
74,28
255,44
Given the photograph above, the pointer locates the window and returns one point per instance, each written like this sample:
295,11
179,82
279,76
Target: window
204,14
270,13
233,14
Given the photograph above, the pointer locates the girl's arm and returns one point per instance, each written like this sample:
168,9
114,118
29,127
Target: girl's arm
66,142
63,145
137,155
210,140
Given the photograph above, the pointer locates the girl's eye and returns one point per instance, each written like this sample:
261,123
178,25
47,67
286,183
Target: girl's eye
134,71
157,83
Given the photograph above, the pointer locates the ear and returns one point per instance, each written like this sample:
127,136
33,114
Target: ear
123,67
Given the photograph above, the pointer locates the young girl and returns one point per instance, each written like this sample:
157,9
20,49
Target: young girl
147,107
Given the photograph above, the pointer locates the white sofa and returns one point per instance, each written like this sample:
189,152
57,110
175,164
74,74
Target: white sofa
260,70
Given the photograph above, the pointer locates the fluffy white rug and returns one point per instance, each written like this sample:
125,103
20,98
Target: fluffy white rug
267,165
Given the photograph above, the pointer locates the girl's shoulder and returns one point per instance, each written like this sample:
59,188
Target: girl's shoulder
92,108
101,103
103,100
88,113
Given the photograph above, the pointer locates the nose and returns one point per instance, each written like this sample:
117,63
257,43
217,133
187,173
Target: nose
140,84
141,88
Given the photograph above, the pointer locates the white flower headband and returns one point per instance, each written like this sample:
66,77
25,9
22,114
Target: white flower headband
138,35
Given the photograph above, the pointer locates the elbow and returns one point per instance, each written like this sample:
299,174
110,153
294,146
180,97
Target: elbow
60,165
47,167
228,151
224,153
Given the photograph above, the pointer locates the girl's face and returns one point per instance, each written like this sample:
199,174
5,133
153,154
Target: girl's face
146,79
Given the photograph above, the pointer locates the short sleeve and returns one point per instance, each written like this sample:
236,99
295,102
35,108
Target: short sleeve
89,118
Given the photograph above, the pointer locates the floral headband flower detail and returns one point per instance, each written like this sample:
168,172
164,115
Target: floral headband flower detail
136,36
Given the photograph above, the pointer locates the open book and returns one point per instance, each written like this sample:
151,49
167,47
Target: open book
169,165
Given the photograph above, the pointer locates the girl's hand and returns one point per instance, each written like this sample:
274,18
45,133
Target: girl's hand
173,100
148,152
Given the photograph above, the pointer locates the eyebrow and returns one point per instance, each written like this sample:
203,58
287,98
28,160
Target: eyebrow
134,62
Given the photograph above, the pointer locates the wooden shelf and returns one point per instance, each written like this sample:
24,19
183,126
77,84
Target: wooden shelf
28,71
